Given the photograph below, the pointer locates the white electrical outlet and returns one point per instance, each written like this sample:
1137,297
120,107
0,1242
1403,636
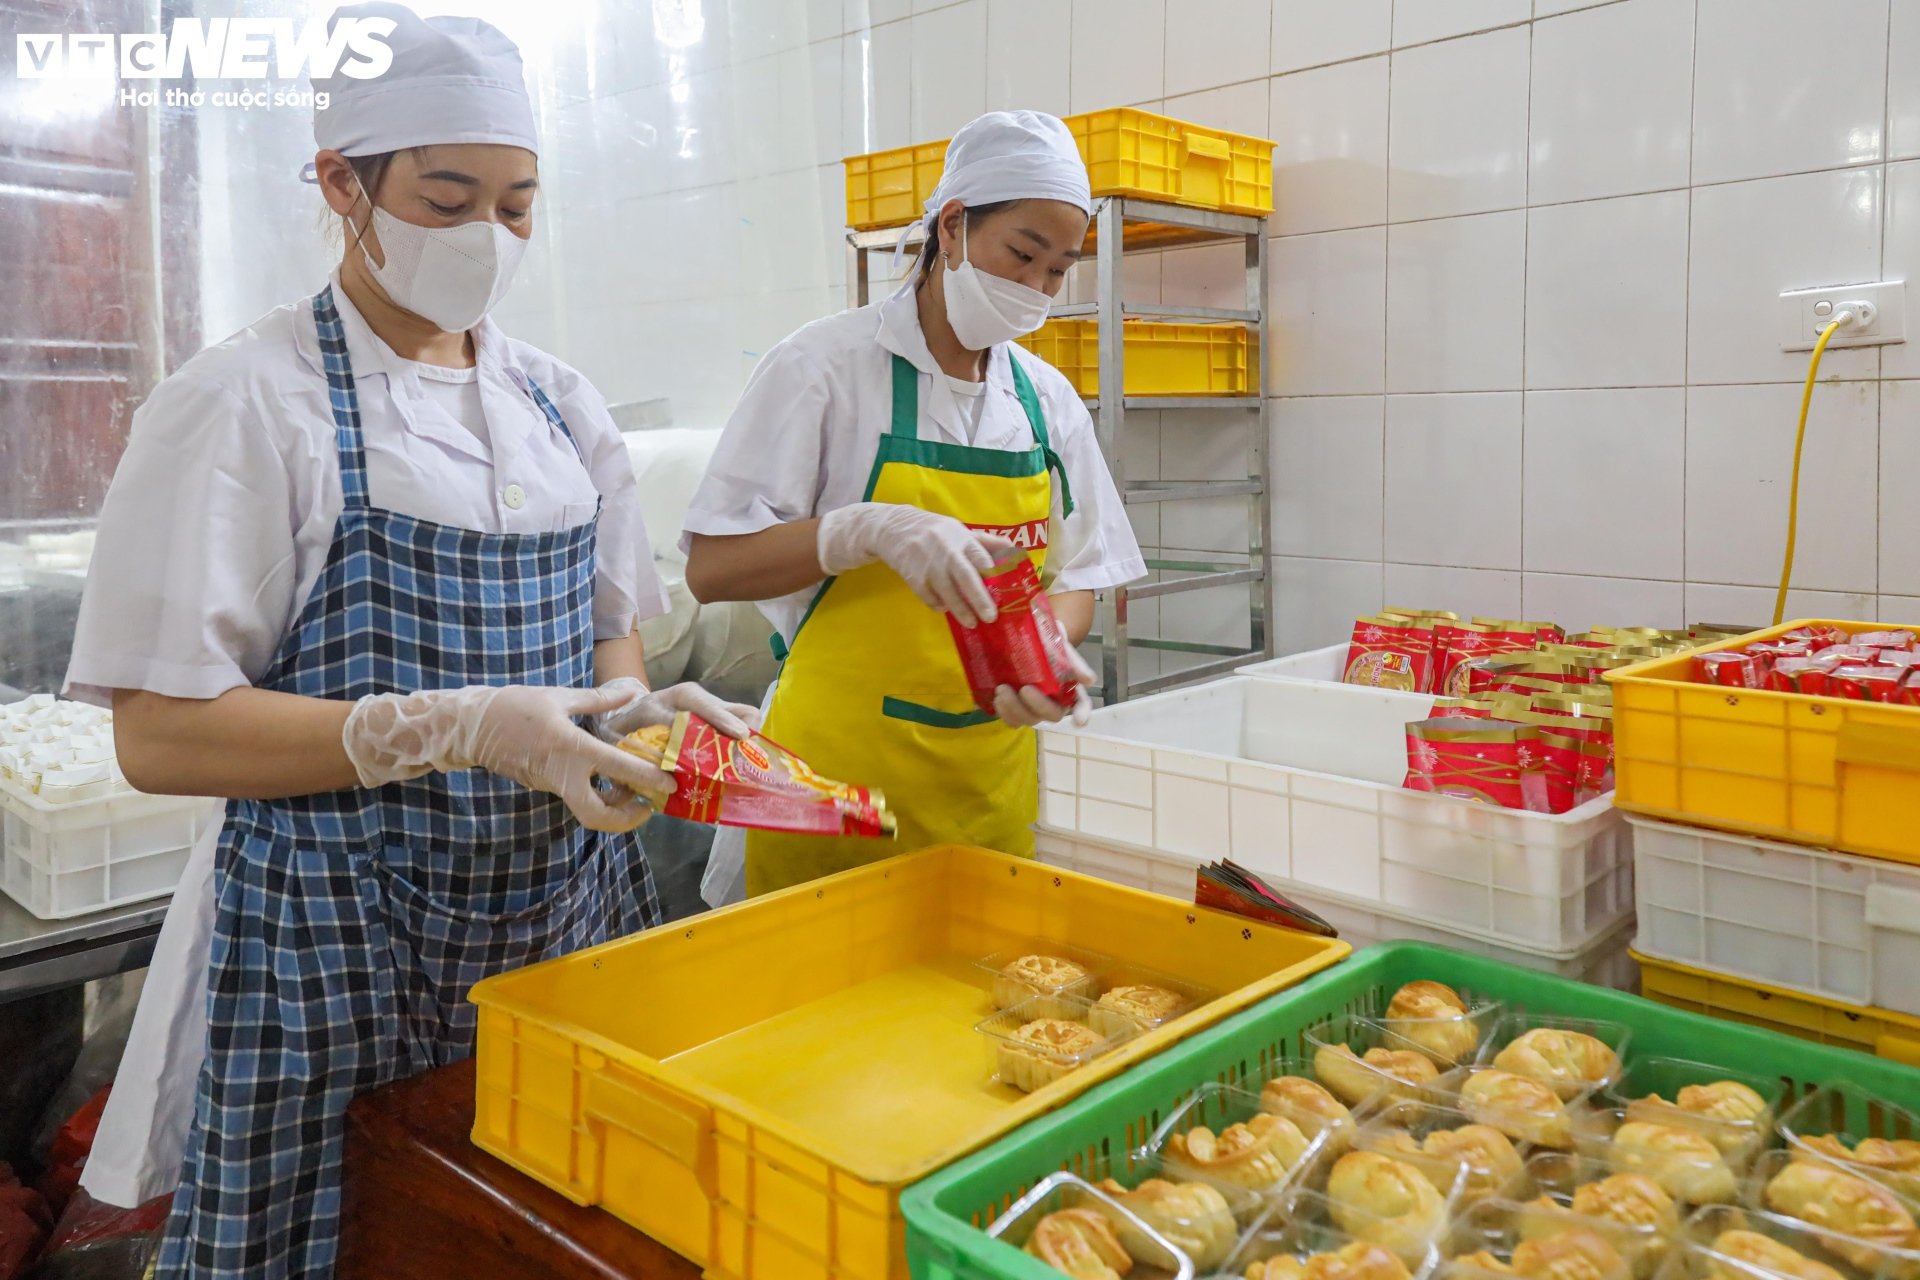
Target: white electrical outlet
1805,312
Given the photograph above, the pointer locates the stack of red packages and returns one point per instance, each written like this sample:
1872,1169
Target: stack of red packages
1490,761
1431,651
1571,740
1823,660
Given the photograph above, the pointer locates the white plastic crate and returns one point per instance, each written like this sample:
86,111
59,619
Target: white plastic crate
1829,924
1323,666
61,860
1603,962
1301,781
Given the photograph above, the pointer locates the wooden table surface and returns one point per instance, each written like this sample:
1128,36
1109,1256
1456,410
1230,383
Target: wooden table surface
422,1201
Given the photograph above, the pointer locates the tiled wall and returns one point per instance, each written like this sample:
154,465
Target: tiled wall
1526,257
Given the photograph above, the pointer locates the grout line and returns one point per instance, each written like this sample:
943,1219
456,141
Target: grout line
1526,265
1386,305
1686,329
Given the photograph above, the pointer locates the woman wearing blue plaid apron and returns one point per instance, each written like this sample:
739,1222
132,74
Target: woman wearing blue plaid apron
364,568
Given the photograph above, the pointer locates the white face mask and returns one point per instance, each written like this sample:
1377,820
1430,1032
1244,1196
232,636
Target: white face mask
452,276
986,310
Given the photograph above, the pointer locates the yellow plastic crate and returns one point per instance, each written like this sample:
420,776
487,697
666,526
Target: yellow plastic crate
1128,153
1161,359
755,1087
1881,1032
1827,771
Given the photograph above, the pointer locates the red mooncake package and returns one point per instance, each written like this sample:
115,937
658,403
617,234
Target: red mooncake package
1024,646
1489,761
1734,670
753,782
1391,651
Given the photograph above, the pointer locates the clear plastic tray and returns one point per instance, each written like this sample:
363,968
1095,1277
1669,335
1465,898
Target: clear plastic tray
1205,1221
1152,1256
1896,1244
1308,1227
1007,992
1421,1134
1350,1077
1651,1088
1120,974
1501,1050
1499,1228
1705,1255
1648,1224
1291,1157
1690,1162
1451,1041
1025,1066
1835,1119
1289,1088
1521,1107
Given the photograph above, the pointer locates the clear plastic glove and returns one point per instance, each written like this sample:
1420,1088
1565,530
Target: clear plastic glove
1024,708
643,707
938,557
522,732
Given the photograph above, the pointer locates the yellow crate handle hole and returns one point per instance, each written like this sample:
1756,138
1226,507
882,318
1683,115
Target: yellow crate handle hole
1879,746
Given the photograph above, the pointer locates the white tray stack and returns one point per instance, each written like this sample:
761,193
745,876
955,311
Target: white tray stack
1298,778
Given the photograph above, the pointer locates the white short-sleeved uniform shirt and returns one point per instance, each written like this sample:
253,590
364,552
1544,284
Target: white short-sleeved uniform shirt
803,439
222,511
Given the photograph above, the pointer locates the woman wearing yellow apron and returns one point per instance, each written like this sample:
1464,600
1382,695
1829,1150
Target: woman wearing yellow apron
878,463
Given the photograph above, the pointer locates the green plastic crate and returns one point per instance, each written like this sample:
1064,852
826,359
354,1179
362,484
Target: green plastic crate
946,1214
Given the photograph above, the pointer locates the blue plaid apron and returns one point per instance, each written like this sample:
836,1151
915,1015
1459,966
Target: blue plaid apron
350,925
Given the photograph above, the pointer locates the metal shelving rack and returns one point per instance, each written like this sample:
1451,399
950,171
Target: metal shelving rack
1145,226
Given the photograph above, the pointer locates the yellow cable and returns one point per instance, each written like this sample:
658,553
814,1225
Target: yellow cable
1793,493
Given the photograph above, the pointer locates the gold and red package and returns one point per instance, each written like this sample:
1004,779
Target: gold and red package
1486,674
1454,645
1433,615
1896,658
1820,636
1489,761
1509,634
1391,652
1562,757
753,782
1024,646
1575,704
1591,640
1472,708
1778,649
1865,653
1804,675
1866,683
1596,771
1885,639
1734,670
1909,695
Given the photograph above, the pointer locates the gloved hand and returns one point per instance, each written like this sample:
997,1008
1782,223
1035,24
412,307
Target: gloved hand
938,557
1027,707
522,732
643,707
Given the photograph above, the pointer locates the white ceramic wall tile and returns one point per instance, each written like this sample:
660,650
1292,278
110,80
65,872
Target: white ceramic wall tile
1580,604
756,28
1024,72
780,236
876,66
1901,609
1455,296
1417,21
1215,42
1739,458
1458,127
1214,616
1903,88
821,98
1550,8
1309,33
949,84
859,15
826,18
1750,241
1316,601
1327,458
1612,101
1203,445
1212,275
1467,592
1117,56
1606,280
1783,87
777,100
1453,480
1327,293
1901,261
1238,108
1899,492
1605,482
1329,128
1739,606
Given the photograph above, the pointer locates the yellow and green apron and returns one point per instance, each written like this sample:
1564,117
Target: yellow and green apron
872,690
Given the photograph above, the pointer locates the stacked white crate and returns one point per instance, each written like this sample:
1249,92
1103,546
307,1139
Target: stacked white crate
1299,779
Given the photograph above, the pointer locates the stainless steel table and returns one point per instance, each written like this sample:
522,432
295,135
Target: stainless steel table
41,955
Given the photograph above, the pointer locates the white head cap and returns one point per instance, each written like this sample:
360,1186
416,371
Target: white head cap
453,80
1013,155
